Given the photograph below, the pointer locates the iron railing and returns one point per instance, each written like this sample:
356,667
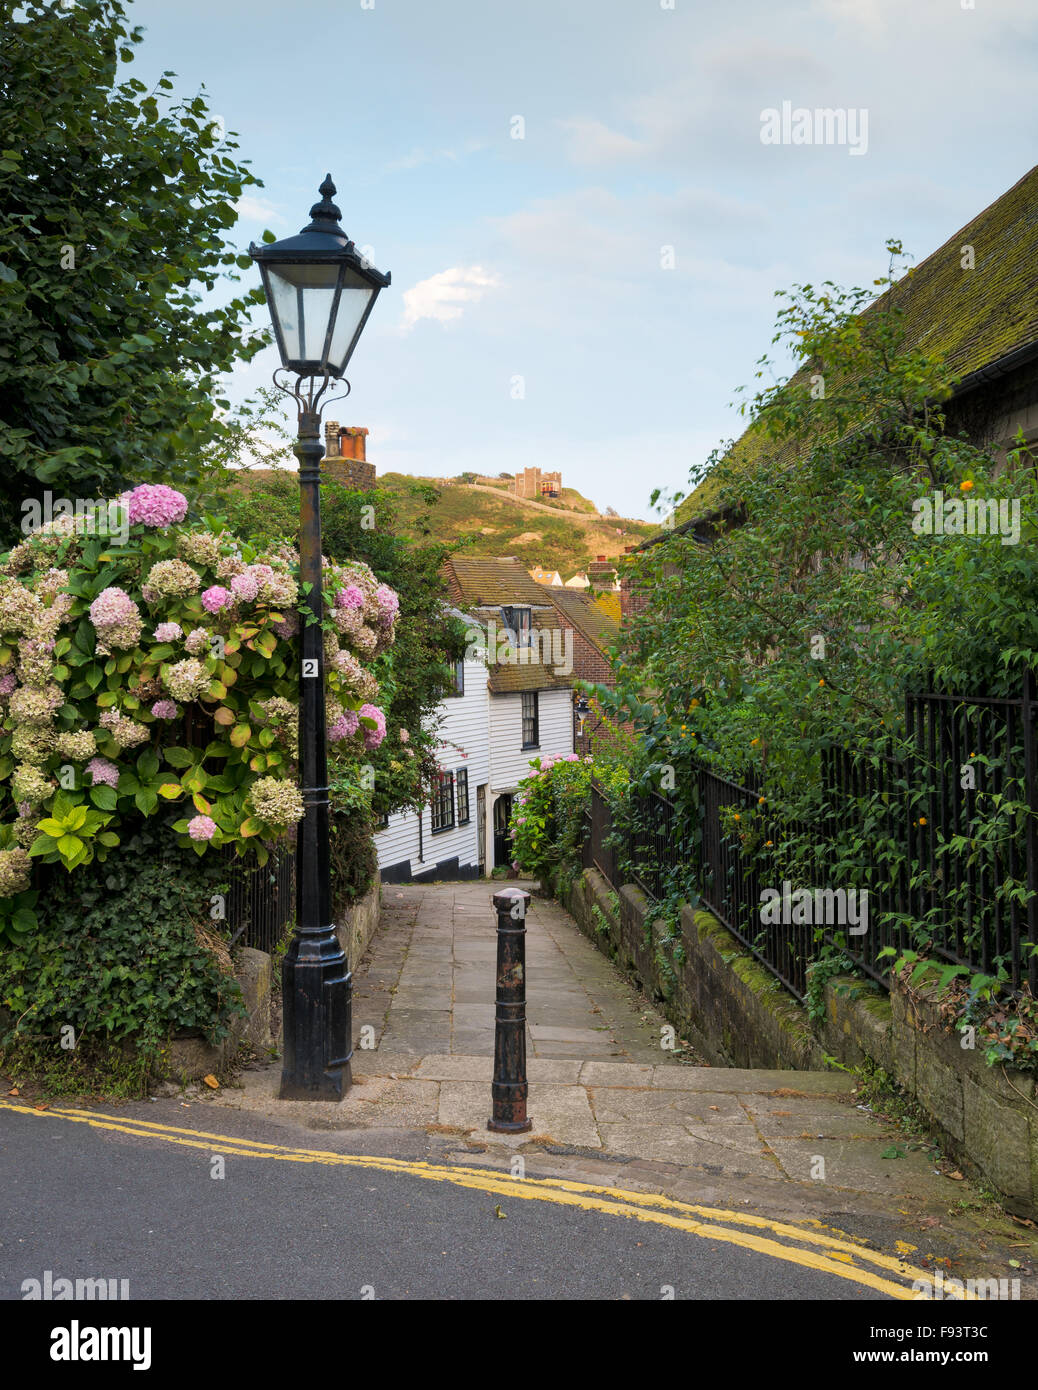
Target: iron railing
261,901
921,828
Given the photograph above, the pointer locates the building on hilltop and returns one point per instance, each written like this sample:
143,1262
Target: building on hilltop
345,457
532,483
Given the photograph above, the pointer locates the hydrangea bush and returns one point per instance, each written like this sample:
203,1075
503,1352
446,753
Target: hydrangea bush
547,820
160,670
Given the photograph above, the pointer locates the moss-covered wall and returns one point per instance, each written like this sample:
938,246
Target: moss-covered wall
735,1013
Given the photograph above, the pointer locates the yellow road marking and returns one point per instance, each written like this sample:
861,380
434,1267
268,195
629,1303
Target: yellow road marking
836,1257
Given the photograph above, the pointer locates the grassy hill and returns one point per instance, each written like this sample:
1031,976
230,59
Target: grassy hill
483,523
506,525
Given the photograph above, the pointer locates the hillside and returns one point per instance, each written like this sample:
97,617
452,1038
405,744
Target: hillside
562,534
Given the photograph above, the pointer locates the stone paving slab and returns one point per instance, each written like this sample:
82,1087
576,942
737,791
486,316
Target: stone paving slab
561,1113
817,1083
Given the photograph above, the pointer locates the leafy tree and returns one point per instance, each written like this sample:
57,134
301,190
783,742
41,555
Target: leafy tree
114,204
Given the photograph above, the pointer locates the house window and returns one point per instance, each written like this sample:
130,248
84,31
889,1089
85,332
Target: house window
459,677
443,801
530,720
463,796
519,622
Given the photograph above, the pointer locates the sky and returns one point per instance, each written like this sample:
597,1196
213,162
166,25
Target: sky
584,226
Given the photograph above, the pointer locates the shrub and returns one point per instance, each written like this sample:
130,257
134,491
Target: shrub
116,657
124,956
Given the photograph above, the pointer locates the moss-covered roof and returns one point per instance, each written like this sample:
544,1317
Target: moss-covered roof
484,587
482,580
584,613
972,318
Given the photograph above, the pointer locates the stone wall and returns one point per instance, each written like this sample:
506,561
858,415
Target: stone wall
736,1013
191,1058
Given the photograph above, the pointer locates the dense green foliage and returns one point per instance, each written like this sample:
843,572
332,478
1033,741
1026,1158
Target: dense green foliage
796,624
114,205
121,959
547,822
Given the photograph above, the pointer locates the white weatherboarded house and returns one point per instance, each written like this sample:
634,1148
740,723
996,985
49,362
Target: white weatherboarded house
513,702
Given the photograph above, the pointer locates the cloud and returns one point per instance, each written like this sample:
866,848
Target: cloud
419,156
444,296
592,142
257,209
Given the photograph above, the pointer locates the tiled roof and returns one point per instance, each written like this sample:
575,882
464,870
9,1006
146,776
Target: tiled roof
477,581
973,318
584,613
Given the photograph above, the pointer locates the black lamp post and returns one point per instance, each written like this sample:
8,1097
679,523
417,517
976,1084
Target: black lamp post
320,292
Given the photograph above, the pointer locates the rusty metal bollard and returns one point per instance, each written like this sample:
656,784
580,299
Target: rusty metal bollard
509,1088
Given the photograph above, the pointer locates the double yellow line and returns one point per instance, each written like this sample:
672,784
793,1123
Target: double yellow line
812,1249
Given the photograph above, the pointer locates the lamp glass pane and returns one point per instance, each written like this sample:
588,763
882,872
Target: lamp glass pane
301,301
353,302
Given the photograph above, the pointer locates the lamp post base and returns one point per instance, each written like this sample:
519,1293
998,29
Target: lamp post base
317,994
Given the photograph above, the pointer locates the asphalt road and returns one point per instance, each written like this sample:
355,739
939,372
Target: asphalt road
85,1203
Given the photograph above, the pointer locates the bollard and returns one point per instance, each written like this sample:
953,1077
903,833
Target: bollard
509,1089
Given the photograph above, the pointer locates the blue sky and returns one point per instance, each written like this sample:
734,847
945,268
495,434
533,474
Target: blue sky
542,258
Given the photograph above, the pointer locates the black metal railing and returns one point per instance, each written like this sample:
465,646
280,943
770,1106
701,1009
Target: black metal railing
941,832
261,901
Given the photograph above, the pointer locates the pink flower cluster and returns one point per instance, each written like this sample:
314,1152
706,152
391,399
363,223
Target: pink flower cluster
345,726
117,620
155,504
373,737
164,709
216,598
350,597
168,632
388,603
103,772
201,828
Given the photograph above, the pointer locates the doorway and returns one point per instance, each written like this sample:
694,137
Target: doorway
502,814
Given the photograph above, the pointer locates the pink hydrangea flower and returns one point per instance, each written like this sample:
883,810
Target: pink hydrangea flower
8,683
405,737
155,504
164,709
350,597
201,828
111,607
216,598
373,737
387,602
168,632
344,727
245,586
103,772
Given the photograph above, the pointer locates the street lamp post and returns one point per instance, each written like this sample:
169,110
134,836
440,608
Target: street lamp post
320,291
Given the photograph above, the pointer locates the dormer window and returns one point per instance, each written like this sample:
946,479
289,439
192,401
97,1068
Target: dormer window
519,622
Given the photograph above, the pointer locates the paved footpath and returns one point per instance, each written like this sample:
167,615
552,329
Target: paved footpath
609,1104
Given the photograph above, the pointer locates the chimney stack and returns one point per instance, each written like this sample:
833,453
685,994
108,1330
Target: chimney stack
331,439
601,574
